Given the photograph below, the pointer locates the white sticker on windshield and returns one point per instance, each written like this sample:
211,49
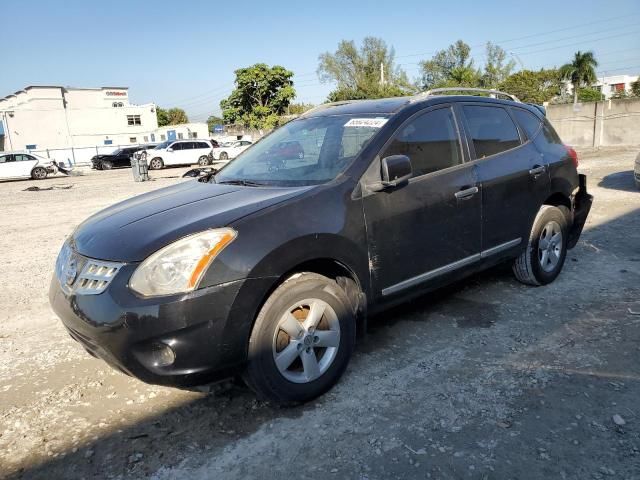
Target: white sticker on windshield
366,122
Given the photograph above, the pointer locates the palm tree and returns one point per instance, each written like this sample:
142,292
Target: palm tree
580,72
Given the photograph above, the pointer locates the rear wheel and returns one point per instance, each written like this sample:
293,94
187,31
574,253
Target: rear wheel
544,256
224,156
39,173
203,160
300,155
302,340
156,163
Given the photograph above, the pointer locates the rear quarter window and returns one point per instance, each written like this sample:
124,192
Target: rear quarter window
491,129
529,122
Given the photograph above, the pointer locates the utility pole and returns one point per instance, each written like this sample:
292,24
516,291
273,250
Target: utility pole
382,73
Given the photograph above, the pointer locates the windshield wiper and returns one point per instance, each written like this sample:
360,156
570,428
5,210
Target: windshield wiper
244,183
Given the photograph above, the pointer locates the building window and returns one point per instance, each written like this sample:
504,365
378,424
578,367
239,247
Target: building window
146,138
180,136
133,120
133,139
163,138
31,147
153,137
193,134
117,104
108,142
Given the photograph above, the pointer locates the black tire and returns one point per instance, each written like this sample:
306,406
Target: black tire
224,156
530,267
156,163
39,173
106,165
203,161
262,374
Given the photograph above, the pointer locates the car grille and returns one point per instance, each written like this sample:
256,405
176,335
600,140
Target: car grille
82,275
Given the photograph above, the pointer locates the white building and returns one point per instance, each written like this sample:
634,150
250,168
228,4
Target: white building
609,86
54,117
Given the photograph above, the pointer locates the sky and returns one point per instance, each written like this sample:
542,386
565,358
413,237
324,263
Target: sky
184,53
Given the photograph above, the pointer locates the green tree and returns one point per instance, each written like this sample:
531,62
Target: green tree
635,88
580,72
261,95
589,95
365,72
299,108
172,116
533,87
496,68
214,120
450,67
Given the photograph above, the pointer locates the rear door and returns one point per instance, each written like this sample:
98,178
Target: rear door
512,174
429,227
24,163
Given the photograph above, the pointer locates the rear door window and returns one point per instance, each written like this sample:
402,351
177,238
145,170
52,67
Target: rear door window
491,129
430,141
528,121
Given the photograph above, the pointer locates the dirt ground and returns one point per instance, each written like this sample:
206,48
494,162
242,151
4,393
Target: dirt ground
488,379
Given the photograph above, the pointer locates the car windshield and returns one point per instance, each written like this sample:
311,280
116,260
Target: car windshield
163,145
317,150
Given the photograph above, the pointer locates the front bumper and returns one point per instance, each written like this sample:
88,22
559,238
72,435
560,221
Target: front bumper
207,330
582,202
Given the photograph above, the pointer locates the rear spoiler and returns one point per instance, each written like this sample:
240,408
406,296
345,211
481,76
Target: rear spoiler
540,108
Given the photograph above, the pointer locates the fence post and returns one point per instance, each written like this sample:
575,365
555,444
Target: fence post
73,155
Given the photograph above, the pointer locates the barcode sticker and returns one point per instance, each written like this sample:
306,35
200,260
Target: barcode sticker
366,122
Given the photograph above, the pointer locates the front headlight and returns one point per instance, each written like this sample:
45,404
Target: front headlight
178,267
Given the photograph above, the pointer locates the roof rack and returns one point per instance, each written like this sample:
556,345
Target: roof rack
492,93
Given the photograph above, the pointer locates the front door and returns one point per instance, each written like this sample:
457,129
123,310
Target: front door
24,164
7,166
431,226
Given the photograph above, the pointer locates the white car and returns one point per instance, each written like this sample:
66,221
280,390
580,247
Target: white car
230,150
178,152
25,165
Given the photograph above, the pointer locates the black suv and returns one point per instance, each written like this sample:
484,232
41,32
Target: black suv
119,158
269,272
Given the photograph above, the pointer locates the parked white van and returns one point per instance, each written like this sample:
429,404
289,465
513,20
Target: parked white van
25,165
179,152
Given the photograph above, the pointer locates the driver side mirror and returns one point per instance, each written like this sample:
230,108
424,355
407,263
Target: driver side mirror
396,169
169,149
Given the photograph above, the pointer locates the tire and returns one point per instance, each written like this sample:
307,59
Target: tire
203,161
156,163
106,165
287,307
224,156
534,266
301,155
39,173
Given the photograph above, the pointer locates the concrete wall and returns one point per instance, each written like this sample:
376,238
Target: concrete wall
598,124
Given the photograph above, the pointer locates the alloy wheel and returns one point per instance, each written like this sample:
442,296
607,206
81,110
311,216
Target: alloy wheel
306,340
550,246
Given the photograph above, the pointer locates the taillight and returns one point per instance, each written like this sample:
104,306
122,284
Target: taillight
572,153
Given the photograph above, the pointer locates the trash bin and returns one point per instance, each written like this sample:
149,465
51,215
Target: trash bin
140,168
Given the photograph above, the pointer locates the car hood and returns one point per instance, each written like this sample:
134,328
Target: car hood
130,231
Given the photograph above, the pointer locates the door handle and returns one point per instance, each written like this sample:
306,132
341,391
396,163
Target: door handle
537,170
466,193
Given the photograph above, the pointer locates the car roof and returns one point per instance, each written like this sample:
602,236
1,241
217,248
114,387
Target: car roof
389,106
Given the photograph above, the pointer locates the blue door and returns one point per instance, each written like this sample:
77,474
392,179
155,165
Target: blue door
171,135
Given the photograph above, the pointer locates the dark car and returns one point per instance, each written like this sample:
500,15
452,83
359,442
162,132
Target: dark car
270,273
119,158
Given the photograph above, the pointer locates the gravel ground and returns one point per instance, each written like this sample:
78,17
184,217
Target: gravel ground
485,379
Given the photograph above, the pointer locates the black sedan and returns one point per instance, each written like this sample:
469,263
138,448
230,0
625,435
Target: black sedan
119,158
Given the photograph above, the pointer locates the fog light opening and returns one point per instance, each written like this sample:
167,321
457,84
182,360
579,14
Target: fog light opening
162,355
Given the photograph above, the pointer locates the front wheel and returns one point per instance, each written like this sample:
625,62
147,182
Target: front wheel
106,165
203,160
224,156
39,173
546,251
302,340
156,163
